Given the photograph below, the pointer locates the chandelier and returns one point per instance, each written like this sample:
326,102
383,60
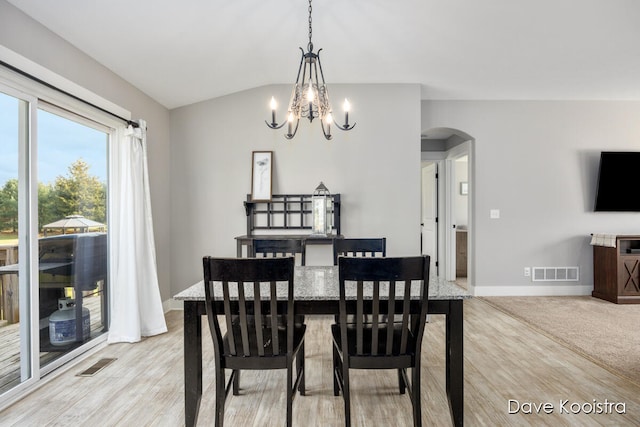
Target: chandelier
309,97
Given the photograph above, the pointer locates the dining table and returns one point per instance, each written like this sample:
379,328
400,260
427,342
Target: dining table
316,292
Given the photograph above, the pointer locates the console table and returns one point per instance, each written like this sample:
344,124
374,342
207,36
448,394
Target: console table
616,271
285,216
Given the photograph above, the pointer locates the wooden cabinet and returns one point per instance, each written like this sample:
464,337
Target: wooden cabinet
616,271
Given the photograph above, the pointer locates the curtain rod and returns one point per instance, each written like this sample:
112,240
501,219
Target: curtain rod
50,86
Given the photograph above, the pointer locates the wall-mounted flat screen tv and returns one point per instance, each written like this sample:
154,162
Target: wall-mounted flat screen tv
618,182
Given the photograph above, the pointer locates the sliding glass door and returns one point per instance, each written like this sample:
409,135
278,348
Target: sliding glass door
54,282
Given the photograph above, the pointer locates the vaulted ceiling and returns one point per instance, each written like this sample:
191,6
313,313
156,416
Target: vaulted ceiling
181,52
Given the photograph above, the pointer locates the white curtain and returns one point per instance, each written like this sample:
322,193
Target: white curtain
136,305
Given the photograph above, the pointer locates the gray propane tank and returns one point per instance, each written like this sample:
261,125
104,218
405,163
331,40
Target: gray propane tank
62,323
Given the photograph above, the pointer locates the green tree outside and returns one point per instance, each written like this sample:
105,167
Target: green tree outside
46,212
9,206
78,193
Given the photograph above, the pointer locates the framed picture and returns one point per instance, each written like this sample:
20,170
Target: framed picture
464,188
261,170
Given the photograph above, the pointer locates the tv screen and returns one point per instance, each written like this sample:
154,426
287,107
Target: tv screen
618,182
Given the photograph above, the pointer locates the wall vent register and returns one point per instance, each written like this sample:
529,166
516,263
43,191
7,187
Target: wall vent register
555,274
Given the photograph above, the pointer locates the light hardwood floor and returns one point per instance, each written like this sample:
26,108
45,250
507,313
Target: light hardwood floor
504,359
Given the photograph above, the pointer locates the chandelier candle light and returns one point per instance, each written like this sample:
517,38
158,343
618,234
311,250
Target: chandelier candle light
310,96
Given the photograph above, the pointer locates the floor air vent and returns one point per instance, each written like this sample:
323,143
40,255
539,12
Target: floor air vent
555,274
95,368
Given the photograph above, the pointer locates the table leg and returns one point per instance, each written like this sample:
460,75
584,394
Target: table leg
248,243
455,361
192,362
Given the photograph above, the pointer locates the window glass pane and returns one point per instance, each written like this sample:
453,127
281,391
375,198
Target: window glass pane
15,366
72,223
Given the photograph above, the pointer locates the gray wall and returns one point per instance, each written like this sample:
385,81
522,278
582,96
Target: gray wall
375,167
537,161
28,38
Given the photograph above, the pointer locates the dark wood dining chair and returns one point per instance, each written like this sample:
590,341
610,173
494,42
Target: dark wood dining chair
382,286
254,339
280,247
265,248
364,247
359,247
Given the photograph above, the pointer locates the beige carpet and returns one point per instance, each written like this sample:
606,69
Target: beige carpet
606,333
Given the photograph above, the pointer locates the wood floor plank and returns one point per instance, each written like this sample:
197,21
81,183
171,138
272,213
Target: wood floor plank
504,359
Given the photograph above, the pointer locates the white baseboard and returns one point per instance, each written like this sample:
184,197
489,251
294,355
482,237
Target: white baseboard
537,290
172,304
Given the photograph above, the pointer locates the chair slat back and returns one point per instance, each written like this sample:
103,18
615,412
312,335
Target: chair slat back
248,288
280,247
367,247
383,288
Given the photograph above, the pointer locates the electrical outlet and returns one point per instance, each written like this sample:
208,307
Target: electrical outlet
527,271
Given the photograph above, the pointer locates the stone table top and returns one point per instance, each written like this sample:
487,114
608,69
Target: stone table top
321,283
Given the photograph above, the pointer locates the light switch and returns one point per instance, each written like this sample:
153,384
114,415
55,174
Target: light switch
494,213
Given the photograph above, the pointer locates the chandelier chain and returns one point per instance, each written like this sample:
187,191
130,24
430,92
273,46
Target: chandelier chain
310,45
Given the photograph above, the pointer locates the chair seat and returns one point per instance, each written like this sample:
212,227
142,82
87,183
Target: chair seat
268,345
367,335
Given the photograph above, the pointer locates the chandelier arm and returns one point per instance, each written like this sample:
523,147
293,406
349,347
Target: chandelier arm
320,66
326,135
300,67
324,103
310,86
346,127
315,66
274,125
291,135
303,66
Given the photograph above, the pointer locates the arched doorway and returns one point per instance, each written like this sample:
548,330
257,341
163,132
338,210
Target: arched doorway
447,202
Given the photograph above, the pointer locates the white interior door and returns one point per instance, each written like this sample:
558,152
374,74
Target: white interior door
430,212
450,220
